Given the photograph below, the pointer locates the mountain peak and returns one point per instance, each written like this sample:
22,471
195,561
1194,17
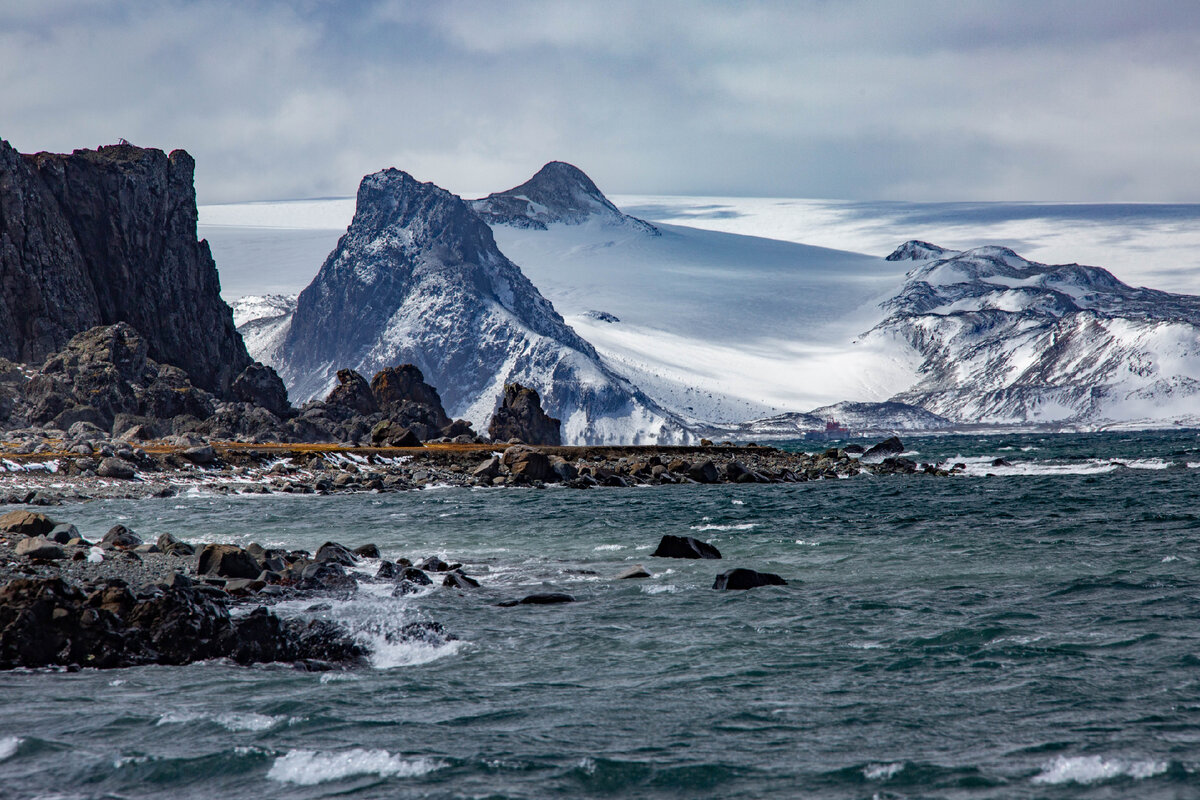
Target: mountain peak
558,193
916,250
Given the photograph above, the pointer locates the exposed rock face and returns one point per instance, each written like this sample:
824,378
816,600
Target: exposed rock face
418,279
104,236
685,547
520,416
558,193
404,397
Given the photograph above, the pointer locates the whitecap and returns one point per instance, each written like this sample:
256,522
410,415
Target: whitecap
609,547
248,722
1089,769
882,772
1169,559
8,747
741,526
738,502
308,767
810,544
390,654
666,588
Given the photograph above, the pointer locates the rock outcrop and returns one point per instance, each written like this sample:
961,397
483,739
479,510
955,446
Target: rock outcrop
520,416
104,236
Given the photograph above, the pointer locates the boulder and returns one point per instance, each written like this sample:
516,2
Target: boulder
529,463
387,433
63,533
405,397
540,599
685,547
120,538
39,547
415,576
487,469
746,579
434,564
170,545
366,551
112,467
261,386
352,394
520,416
332,552
202,455
888,447
636,571
27,522
456,579
704,473
327,576
227,561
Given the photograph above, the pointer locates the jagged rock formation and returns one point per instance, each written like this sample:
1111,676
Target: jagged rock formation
418,278
404,397
103,236
558,193
1007,340
520,417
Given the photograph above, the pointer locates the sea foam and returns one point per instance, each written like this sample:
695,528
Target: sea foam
8,746
308,767
1089,769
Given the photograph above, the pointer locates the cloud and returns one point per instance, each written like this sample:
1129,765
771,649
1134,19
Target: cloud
925,100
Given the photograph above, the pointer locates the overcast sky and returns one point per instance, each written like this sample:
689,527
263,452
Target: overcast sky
1094,100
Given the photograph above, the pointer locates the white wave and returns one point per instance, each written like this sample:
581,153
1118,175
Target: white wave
337,677
1169,559
609,547
308,767
389,655
8,747
807,543
1089,769
666,588
229,721
738,502
977,466
741,526
881,772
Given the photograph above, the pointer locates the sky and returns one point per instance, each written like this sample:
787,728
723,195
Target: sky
1093,100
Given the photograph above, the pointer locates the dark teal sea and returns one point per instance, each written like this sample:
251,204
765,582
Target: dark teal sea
1025,630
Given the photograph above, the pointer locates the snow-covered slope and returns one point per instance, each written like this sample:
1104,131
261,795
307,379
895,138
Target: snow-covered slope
418,278
559,194
1006,340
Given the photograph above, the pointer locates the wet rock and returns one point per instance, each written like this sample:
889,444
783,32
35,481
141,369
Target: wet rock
27,522
387,571
540,599
327,576
227,561
704,473
434,564
888,447
520,416
63,534
456,579
332,552
367,551
746,579
120,538
39,547
415,576
636,571
685,547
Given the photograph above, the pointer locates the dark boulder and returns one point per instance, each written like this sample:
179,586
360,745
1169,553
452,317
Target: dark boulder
888,447
456,579
63,533
352,393
367,551
487,469
685,547
520,416
328,576
746,579
261,386
115,468
541,599
704,473
332,552
169,544
434,564
403,396
121,538
416,576
39,547
387,433
227,561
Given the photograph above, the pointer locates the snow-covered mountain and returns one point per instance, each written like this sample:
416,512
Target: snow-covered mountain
860,419
418,278
559,194
1006,340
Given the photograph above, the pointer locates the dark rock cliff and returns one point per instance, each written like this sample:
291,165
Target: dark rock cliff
103,236
520,416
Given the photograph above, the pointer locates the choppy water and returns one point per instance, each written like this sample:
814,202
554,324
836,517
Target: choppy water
1031,634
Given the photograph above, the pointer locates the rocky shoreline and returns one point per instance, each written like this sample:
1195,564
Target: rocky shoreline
42,469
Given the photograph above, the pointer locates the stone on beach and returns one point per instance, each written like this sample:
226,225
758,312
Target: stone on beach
39,547
227,561
27,522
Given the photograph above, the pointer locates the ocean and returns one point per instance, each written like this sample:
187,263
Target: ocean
1029,629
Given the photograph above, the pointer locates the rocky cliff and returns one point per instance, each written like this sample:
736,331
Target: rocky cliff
104,236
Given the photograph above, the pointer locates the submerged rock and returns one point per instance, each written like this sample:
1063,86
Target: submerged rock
746,579
541,599
685,547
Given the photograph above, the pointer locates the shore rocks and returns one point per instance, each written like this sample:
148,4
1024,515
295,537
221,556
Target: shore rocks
520,416
387,433
227,561
115,468
738,579
121,538
526,463
167,543
405,397
39,547
47,622
685,547
888,447
27,522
